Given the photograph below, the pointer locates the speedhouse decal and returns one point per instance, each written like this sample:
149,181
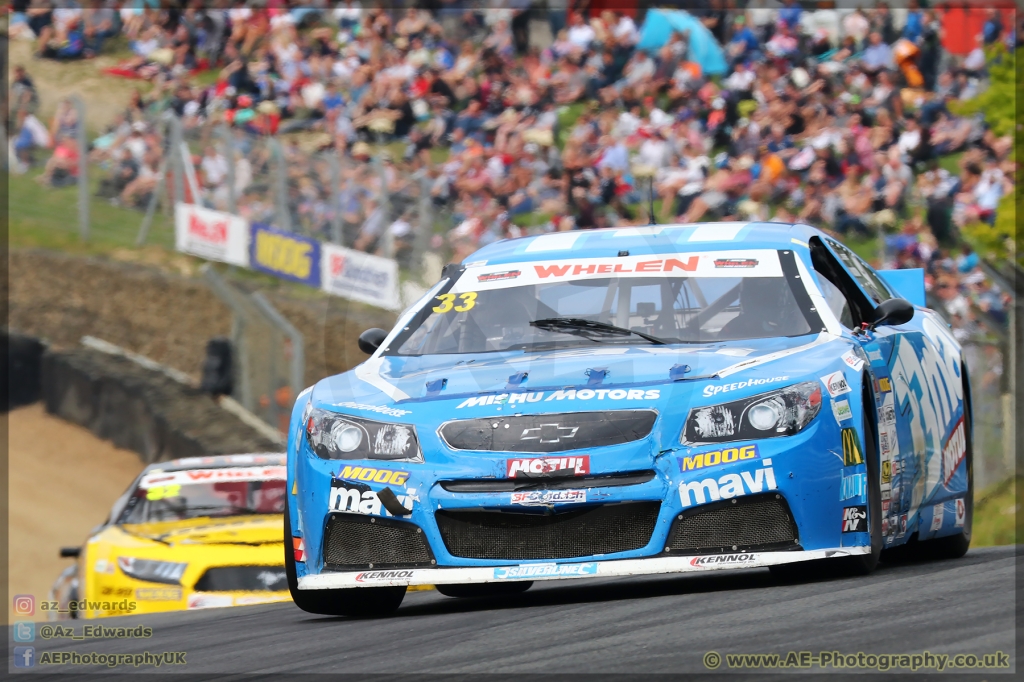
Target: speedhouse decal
569,394
351,496
728,486
710,391
717,559
754,263
379,409
543,570
539,466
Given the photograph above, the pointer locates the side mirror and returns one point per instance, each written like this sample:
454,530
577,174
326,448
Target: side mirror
70,552
370,340
895,311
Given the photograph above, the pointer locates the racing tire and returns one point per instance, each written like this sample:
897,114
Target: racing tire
484,589
356,602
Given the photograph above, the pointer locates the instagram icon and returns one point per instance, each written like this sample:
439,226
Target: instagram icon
24,604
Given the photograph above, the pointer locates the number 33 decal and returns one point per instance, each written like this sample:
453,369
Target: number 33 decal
448,302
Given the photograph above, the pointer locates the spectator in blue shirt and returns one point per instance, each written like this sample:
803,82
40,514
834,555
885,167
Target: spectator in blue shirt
877,55
790,14
332,98
915,22
69,46
993,27
744,44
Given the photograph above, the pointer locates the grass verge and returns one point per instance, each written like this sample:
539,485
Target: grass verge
995,515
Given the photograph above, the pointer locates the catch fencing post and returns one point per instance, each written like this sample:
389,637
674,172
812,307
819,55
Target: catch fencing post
161,183
386,238
335,166
240,367
176,162
83,174
298,359
224,134
426,227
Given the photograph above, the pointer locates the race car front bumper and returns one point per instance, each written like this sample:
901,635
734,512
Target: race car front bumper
564,571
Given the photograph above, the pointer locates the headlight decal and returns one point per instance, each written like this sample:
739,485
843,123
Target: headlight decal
149,570
783,412
339,436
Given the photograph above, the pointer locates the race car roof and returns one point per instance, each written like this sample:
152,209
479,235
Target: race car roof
651,239
220,461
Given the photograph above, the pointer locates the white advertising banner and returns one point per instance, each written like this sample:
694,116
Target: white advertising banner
211,234
360,276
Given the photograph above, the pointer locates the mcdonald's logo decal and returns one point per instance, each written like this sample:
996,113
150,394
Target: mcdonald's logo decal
851,448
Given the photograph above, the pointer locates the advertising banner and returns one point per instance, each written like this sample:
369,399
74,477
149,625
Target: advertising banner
285,255
211,234
360,276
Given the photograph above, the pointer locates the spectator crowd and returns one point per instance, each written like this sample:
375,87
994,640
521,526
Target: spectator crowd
849,126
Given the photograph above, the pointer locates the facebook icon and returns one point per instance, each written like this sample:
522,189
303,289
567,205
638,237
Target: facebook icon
24,656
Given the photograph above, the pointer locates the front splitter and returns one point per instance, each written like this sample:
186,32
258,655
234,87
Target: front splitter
566,570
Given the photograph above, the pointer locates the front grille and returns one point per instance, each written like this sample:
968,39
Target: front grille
509,485
761,522
246,578
353,541
604,529
549,432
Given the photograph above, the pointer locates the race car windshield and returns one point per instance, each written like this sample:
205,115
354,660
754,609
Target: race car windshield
683,298
181,495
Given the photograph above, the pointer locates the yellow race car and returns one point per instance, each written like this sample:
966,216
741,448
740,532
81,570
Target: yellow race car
192,533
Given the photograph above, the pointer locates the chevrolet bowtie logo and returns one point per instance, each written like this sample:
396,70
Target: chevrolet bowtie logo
550,433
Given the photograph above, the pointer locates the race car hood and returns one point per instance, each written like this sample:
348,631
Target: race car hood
398,380
255,530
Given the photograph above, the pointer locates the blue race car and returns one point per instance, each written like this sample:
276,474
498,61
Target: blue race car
633,401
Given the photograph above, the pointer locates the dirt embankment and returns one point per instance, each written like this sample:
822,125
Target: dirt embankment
63,480
165,316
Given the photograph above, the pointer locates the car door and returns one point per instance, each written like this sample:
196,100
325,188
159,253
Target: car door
916,370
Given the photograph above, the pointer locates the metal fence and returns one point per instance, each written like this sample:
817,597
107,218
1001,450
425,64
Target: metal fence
269,353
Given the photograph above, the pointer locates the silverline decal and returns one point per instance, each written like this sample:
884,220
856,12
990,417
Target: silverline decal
543,570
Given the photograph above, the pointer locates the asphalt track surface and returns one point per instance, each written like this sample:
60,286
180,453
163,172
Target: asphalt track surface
623,625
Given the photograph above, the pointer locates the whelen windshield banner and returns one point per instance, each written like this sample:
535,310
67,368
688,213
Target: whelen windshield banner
285,254
360,276
745,263
211,234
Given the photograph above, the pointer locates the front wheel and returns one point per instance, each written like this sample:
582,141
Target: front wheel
485,589
356,602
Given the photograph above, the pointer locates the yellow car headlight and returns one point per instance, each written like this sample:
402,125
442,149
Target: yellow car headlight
166,572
